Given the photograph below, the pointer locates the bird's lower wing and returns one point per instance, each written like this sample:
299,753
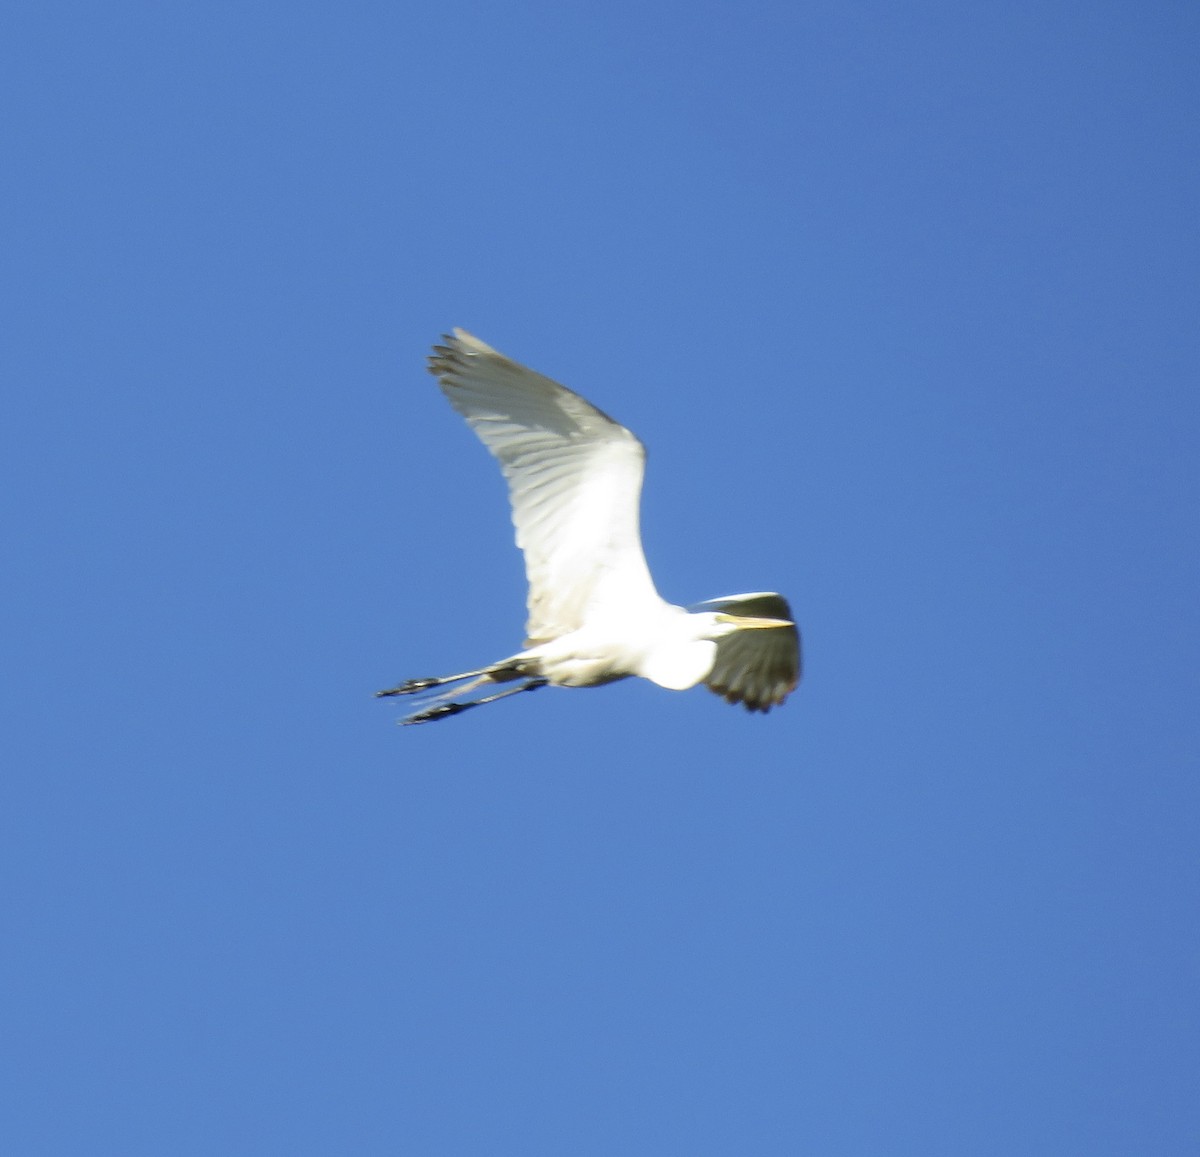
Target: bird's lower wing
758,668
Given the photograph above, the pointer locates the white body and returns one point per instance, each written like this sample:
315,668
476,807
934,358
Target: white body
659,643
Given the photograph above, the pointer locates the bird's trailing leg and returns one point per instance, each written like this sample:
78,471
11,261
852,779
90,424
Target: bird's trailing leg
456,705
496,673
412,686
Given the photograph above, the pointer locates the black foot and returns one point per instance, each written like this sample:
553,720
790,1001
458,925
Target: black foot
443,712
409,687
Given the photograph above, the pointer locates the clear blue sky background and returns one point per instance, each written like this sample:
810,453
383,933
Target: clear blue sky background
903,300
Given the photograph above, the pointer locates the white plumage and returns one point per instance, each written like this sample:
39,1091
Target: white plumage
575,479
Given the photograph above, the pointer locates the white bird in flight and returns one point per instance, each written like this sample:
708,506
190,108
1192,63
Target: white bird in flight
574,482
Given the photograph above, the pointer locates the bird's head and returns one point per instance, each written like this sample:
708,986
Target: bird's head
724,623
725,616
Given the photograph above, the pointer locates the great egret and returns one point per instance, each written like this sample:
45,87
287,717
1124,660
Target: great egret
574,481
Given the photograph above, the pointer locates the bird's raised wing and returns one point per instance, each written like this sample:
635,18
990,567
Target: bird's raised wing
760,667
574,481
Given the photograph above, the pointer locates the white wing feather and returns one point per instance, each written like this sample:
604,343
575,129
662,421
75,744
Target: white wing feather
574,480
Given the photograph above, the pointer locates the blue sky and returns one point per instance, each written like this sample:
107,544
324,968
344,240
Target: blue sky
903,301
